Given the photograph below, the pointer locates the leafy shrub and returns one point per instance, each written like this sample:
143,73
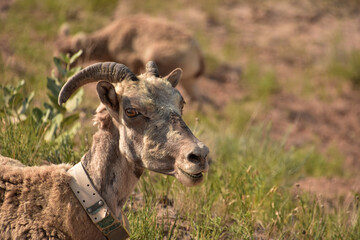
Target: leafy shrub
15,106
13,103
38,135
54,114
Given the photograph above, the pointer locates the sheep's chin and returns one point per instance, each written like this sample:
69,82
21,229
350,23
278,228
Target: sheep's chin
186,179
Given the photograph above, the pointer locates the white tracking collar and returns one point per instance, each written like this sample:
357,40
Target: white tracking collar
96,207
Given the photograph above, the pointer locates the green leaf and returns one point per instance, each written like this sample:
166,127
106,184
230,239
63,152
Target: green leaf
53,86
75,128
20,85
65,58
46,116
59,66
22,117
6,90
58,119
75,56
72,71
55,124
37,115
30,97
15,100
55,104
71,132
25,104
69,120
74,101
50,133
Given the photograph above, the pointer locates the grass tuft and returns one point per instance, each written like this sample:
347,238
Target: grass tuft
347,66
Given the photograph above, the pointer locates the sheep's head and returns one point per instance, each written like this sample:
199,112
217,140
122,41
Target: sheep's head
147,110
65,43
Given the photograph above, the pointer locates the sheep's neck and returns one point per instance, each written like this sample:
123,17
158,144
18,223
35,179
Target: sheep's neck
112,174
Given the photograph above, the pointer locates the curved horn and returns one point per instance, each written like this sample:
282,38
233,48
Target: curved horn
110,71
152,69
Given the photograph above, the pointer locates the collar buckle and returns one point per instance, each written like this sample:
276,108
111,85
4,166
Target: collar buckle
96,207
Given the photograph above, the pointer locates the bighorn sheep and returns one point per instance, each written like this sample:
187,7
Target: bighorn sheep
139,127
138,39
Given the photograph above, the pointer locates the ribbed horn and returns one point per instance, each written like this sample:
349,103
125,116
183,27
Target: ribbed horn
152,68
110,71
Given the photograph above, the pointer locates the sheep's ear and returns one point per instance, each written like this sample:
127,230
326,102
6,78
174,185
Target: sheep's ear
108,97
174,77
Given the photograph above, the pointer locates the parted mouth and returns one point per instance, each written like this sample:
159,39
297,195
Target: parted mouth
169,172
195,176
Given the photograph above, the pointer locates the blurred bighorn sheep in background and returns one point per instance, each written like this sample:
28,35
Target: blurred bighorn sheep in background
135,40
139,127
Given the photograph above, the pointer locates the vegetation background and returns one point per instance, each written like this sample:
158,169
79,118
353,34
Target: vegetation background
284,134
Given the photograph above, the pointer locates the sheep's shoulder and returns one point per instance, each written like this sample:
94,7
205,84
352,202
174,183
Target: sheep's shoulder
34,201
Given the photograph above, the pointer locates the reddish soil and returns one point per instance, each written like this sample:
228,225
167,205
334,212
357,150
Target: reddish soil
292,38
331,192
331,124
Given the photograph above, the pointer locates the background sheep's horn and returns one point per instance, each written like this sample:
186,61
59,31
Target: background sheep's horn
110,71
152,68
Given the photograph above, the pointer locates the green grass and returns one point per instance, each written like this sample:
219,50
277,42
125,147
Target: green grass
248,192
346,65
25,142
31,28
260,82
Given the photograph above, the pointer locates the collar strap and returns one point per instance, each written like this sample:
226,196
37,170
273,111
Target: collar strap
96,207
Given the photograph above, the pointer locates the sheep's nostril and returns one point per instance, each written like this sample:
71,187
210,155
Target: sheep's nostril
194,158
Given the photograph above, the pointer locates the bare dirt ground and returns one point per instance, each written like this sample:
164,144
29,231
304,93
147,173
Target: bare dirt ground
331,192
293,38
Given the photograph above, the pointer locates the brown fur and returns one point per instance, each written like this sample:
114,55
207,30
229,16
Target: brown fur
138,39
37,202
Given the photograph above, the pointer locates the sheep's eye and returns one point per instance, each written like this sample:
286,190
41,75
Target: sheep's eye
131,112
